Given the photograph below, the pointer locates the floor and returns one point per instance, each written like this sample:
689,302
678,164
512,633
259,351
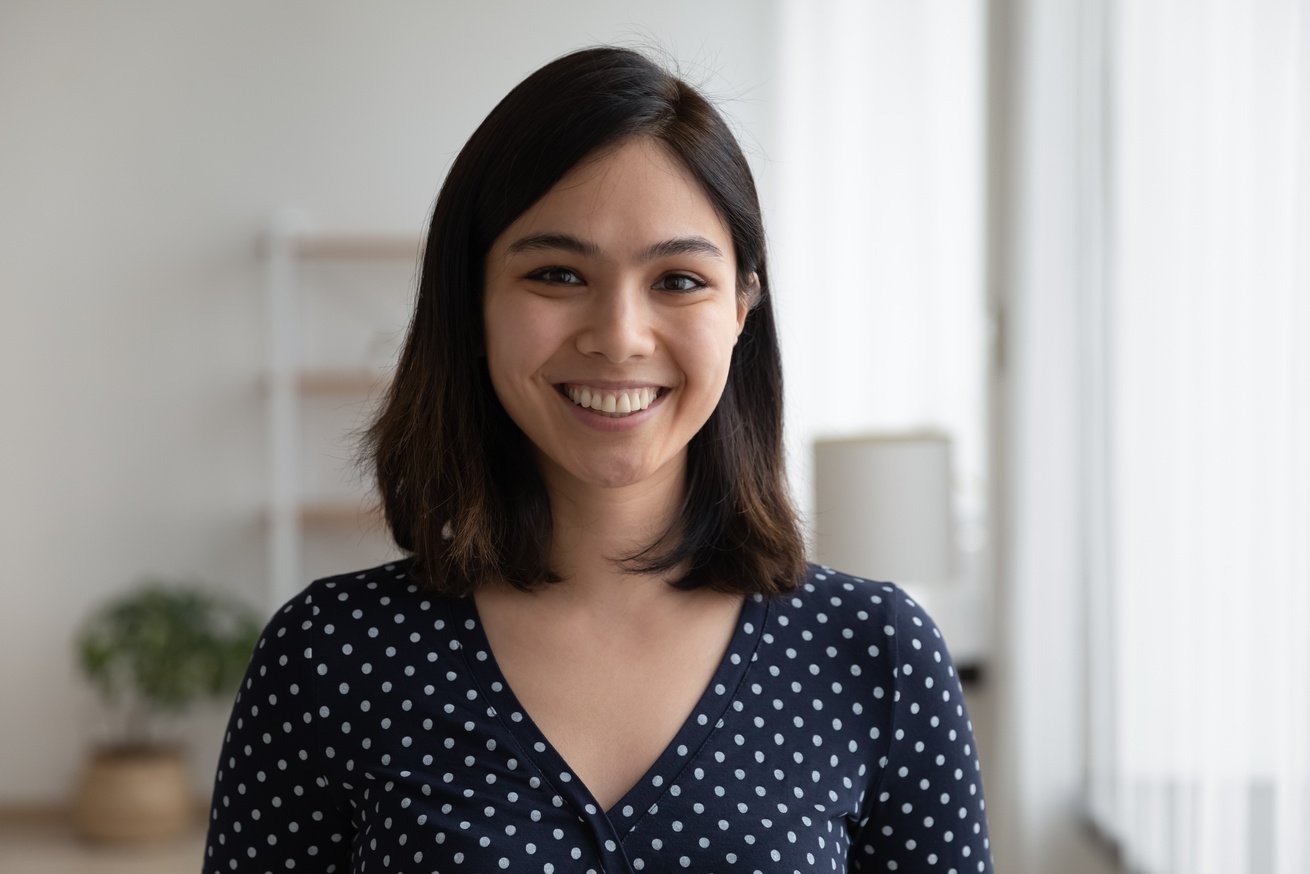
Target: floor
50,847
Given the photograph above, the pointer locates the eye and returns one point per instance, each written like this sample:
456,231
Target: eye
679,282
556,276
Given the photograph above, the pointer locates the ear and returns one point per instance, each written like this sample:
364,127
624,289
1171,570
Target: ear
747,296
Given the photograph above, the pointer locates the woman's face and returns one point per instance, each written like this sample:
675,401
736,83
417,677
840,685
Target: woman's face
611,310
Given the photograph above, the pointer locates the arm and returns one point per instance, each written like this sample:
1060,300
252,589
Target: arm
926,811
274,807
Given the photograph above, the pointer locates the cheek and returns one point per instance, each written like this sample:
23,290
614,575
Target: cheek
522,336
499,324
707,353
505,344
498,368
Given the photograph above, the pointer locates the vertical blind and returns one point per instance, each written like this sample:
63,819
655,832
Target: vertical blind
1200,586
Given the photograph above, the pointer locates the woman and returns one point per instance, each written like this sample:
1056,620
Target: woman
606,652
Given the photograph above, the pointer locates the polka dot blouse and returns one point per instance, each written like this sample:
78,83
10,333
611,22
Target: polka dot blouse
374,732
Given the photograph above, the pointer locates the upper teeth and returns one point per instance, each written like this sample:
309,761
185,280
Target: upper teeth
629,400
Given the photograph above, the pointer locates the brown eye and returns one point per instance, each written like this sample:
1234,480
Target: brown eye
679,282
556,276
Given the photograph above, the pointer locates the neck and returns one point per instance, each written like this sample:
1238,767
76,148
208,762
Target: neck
594,526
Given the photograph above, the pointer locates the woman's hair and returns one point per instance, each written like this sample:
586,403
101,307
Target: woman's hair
457,478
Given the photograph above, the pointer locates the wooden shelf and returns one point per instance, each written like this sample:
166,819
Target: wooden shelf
336,514
357,247
342,382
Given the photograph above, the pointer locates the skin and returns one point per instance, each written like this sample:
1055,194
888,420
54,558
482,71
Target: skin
621,277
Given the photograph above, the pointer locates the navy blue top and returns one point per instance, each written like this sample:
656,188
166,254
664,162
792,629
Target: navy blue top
374,732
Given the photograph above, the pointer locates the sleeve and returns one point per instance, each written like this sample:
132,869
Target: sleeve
926,811
274,809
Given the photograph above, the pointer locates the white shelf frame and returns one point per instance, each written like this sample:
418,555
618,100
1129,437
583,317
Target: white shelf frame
290,242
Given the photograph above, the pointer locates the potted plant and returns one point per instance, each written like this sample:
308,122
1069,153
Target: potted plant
152,653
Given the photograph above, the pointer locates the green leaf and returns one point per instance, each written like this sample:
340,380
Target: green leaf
165,646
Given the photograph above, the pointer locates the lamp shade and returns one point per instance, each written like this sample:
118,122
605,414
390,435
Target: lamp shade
883,506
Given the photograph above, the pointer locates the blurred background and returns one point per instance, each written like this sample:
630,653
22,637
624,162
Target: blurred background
1042,271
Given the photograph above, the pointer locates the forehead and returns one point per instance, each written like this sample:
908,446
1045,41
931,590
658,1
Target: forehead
629,196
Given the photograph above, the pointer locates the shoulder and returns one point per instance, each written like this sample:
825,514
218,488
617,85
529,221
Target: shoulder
826,595
878,616
380,586
355,606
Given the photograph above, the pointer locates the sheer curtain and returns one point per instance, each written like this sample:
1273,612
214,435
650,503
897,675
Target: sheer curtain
1199,526
876,229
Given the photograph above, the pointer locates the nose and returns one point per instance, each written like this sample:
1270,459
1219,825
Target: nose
618,324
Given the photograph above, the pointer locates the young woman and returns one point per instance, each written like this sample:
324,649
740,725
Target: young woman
605,652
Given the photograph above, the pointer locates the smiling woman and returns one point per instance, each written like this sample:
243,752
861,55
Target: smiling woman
605,651
611,312
597,173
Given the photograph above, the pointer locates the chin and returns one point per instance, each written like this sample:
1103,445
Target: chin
615,471
616,476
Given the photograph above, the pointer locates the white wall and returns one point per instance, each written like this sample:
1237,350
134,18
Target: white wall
143,148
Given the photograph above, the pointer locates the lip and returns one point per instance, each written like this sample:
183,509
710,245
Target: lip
599,421
610,384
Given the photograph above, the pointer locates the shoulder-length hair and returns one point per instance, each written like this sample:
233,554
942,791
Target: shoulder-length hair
457,478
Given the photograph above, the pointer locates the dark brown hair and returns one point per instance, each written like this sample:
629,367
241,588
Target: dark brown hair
457,478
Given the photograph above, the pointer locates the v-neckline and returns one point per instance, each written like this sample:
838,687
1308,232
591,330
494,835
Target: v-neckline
681,750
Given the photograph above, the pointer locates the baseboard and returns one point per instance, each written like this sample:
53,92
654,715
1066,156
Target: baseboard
22,815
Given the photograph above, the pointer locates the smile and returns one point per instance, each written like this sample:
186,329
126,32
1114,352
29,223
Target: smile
615,403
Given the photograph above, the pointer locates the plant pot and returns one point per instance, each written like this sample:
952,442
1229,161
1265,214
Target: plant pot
134,795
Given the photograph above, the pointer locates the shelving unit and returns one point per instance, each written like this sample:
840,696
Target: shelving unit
337,305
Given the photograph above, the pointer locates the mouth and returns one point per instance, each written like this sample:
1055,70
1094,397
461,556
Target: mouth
614,403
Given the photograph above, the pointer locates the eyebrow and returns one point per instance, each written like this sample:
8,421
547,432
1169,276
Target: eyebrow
694,245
